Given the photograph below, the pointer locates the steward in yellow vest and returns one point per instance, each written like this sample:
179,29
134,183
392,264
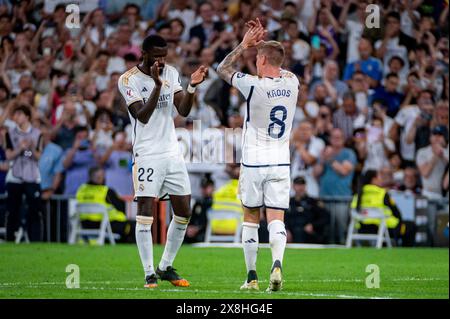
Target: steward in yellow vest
95,192
372,195
98,194
226,198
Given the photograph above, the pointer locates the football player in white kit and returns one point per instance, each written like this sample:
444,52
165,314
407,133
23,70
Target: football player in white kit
265,165
150,90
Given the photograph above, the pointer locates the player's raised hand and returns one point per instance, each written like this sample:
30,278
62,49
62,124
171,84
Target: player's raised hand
199,75
255,34
154,73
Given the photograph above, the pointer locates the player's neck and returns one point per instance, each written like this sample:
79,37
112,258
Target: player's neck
271,72
144,68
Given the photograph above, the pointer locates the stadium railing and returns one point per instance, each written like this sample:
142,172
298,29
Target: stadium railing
430,216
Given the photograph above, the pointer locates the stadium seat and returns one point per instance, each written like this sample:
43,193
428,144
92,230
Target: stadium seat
368,213
214,215
76,229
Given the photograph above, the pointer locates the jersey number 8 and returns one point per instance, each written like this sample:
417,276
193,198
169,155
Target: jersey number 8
277,121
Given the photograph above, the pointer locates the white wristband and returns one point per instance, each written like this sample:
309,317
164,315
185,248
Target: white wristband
191,89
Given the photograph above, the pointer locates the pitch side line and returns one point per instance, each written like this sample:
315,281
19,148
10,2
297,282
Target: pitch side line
282,293
6,284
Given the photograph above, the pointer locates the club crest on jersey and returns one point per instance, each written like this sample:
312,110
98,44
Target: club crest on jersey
141,187
166,83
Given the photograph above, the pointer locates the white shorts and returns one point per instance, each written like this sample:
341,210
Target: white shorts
160,177
265,186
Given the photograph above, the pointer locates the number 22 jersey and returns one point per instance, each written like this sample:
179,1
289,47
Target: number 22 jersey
156,139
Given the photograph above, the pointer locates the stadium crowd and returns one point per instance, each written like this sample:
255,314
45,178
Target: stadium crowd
370,98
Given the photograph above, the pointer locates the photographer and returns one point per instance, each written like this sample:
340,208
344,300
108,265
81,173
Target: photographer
23,148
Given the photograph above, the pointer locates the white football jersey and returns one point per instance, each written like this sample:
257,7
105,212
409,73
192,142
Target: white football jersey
157,138
271,104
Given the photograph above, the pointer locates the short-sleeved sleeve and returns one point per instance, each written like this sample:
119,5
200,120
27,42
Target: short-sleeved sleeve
59,166
422,156
350,156
316,147
243,82
129,90
401,118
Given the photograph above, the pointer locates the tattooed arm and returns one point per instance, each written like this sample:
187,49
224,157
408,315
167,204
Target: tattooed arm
225,69
252,37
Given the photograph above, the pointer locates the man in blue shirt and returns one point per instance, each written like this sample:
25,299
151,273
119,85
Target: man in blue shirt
388,95
336,169
367,64
50,164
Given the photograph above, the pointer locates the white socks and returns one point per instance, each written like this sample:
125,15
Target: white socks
145,242
277,239
250,242
175,237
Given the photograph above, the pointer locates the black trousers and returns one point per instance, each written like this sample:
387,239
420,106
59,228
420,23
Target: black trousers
30,219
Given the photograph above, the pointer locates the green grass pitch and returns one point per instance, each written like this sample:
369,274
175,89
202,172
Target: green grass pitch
39,271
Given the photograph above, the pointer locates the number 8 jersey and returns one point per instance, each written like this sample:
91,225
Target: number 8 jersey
271,104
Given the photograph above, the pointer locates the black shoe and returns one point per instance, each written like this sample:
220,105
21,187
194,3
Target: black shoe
252,276
151,281
171,275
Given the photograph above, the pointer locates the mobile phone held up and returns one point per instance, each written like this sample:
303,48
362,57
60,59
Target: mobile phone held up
315,42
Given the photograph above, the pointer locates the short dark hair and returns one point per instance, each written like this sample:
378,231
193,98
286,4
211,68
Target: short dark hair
396,57
393,14
429,91
93,170
24,109
391,74
101,111
153,41
5,15
80,128
358,72
130,57
103,52
348,95
165,25
60,6
132,5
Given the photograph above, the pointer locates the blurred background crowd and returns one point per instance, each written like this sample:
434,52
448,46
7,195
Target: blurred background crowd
376,98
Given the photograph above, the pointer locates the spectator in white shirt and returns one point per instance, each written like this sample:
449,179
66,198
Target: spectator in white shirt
307,150
432,161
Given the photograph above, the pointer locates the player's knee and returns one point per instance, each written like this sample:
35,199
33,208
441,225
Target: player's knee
145,207
251,217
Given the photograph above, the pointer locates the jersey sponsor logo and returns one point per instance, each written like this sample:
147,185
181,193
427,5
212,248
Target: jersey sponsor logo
163,101
278,93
